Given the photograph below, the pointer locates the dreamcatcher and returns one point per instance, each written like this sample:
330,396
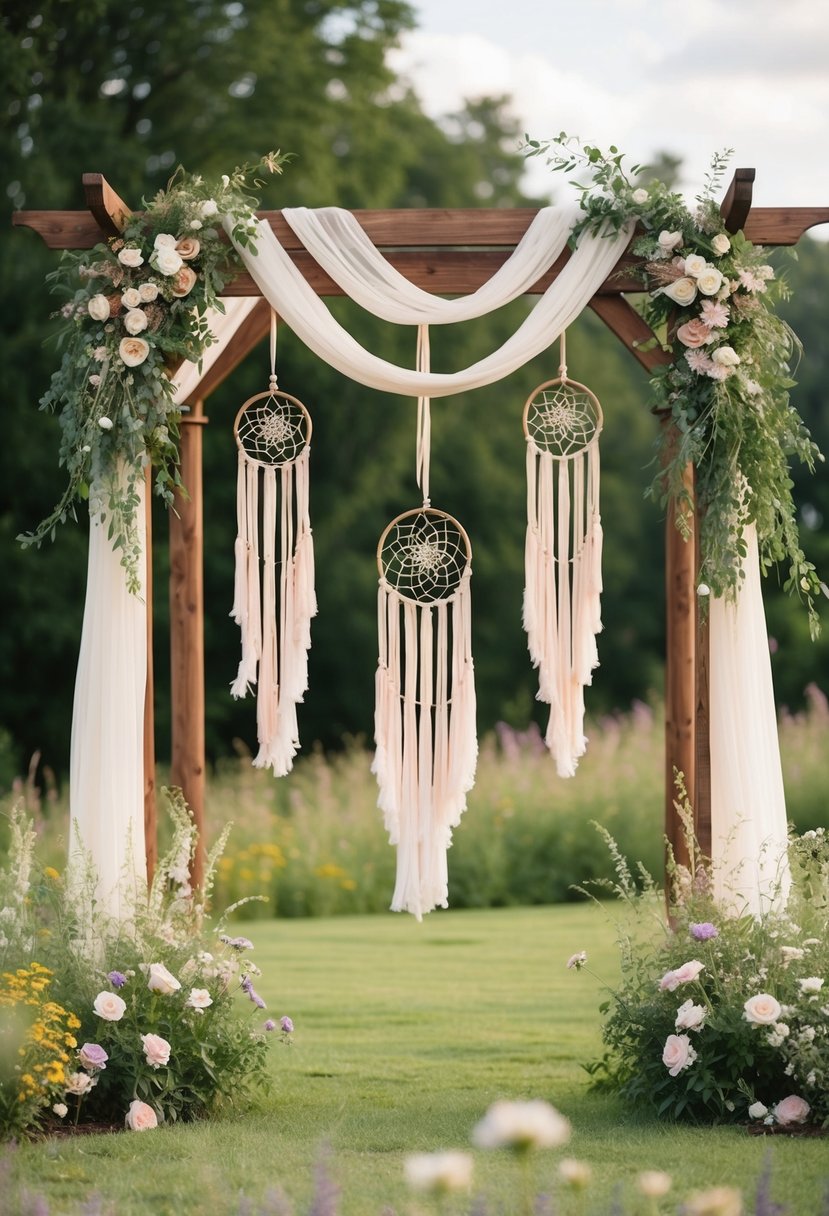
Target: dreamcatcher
563,554
425,688
273,436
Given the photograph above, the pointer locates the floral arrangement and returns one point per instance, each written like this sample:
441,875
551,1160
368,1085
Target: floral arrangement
722,1017
136,308
710,301
149,1028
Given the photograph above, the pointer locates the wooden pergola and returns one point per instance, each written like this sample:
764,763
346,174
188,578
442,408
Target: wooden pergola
450,252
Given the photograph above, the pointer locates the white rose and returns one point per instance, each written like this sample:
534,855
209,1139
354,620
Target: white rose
690,1016
131,298
164,240
726,356
61,1109
208,208
640,196
521,1125
135,321
721,244
130,257
140,1117
439,1172
703,589
98,308
160,980
79,1083
147,292
709,281
133,351
166,260
669,241
695,263
199,998
109,1006
757,1111
678,1053
105,423
682,291
762,1009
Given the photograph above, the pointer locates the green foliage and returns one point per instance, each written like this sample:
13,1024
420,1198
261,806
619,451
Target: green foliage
165,973
716,1018
726,390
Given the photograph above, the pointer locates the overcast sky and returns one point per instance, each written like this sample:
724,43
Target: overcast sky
690,78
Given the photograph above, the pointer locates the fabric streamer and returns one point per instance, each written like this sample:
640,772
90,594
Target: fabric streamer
274,612
563,554
106,784
425,712
749,838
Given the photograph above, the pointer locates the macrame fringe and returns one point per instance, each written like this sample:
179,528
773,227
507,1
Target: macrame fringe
274,619
425,730
562,590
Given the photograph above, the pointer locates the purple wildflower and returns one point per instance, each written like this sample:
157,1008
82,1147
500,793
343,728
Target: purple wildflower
117,979
236,943
251,993
270,1024
286,1026
704,931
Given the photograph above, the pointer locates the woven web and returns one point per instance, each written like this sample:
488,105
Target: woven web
562,420
424,557
273,431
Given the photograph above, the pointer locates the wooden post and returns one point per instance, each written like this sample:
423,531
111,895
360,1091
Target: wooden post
150,810
187,630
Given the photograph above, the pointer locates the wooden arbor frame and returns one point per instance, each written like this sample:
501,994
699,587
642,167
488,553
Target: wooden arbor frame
451,252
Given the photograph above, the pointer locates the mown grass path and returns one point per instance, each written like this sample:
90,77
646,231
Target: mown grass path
404,1035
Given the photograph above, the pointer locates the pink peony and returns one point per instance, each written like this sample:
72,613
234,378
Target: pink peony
694,333
678,1053
791,1110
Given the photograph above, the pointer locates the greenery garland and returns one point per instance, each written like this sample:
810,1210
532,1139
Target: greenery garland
136,308
710,301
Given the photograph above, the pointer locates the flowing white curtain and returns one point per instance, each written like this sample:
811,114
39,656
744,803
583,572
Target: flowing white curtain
748,808
106,792
299,306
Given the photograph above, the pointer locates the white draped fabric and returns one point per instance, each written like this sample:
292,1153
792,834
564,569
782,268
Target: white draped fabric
223,326
299,306
106,792
748,808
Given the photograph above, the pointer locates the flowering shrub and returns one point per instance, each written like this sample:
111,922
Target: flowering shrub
722,1017
165,1023
136,308
710,302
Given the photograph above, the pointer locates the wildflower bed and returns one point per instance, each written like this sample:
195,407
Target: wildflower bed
404,1036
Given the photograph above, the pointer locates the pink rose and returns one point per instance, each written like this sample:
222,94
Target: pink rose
762,1009
682,975
791,1110
140,1117
678,1053
156,1050
694,333
109,1006
184,281
188,248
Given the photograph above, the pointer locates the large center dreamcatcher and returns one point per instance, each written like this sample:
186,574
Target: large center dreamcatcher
273,437
563,554
425,688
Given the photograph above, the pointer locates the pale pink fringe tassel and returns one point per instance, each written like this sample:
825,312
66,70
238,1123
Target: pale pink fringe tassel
275,624
562,591
426,737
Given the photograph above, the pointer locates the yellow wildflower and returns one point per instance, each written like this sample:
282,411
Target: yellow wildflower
52,873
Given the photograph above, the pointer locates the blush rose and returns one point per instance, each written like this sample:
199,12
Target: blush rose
791,1110
694,333
109,1006
678,1053
140,1117
762,1009
156,1050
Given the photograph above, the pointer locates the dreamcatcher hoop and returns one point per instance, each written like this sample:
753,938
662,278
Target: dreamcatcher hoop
440,554
562,421
424,720
273,432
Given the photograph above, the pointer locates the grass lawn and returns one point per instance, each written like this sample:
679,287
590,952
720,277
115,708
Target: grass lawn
405,1033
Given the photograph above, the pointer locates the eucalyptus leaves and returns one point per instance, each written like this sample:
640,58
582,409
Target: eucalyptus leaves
136,308
710,301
